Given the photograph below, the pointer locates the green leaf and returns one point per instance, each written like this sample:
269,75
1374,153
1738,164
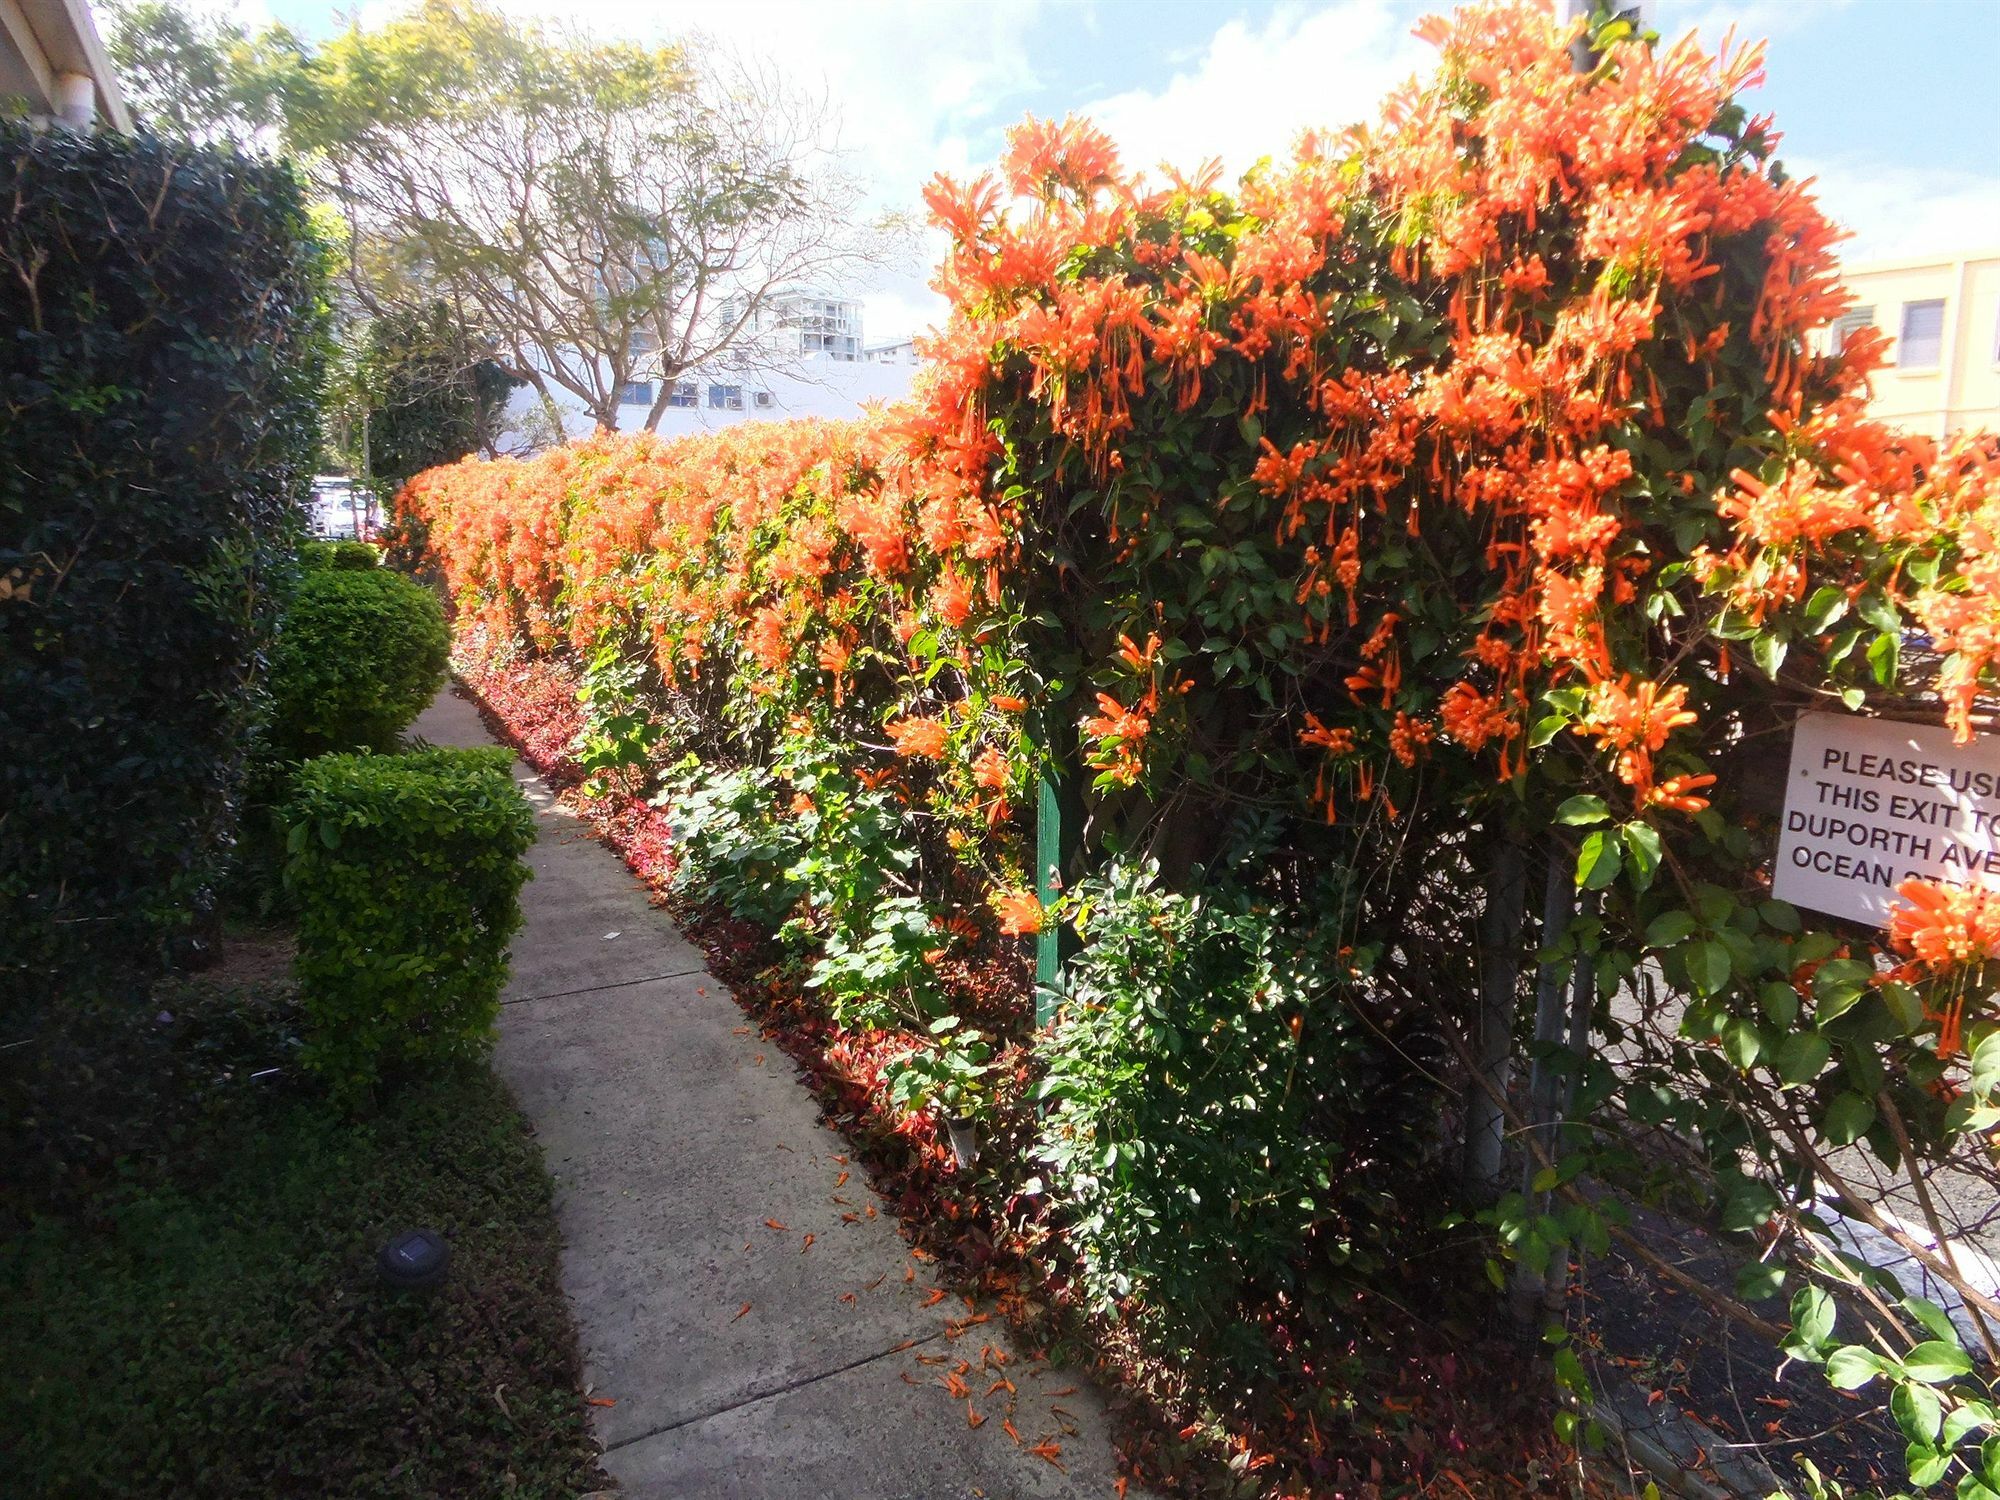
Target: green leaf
1966,1417
1642,853
1851,1367
1812,1320
1848,1118
1932,1317
1741,1043
1760,1279
1925,1464
1802,1057
1779,1002
1878,612
1934,1361
1827,604
1780,916
1580,811
1707,965
1768,651
1883,657
1903,1004
1670,927
1917,1411
1986,1064
1598,865
1838,984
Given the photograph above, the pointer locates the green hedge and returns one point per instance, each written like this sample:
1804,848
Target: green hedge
359,656
164,312
407,872
349,556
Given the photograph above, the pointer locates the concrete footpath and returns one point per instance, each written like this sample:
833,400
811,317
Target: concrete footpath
761,1334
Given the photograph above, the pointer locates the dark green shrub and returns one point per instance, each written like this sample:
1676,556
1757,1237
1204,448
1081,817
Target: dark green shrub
339,556
359,656
164,313
407,873
1221,1121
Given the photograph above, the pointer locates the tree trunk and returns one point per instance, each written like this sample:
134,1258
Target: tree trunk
1499,970
1529,1287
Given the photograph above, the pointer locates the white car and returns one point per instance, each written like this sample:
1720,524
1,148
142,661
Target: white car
341,510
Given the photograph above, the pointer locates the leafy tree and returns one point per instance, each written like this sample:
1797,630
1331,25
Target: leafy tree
593,213
197,76
425,396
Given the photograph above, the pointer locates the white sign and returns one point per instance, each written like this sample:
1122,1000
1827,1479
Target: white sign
1870,803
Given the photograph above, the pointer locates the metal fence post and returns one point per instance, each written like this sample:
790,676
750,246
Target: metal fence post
1058,830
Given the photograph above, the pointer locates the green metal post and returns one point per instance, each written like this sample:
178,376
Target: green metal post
1058,826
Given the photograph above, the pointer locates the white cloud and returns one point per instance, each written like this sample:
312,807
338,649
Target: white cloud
1254,88
1897,212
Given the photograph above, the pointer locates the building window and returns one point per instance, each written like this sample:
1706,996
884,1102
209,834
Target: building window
765,401
685,393
636,393
1922,344
1850,323
725,397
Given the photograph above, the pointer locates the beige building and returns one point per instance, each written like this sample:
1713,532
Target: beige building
52,60
1942,317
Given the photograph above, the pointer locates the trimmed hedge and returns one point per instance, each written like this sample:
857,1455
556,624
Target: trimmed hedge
407,872
338,556
359,656
165,315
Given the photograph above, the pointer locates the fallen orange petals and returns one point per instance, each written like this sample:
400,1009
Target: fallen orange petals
774,1224
935,1297
850,1218
602,1400
972,1418
808,1244
847,1297
1008,1428
841,1180
1050,1453
741,1312
957,1386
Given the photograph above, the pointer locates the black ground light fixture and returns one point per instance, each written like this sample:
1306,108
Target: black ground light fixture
414,1259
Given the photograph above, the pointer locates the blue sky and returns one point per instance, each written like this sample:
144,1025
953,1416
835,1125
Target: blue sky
1891,104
